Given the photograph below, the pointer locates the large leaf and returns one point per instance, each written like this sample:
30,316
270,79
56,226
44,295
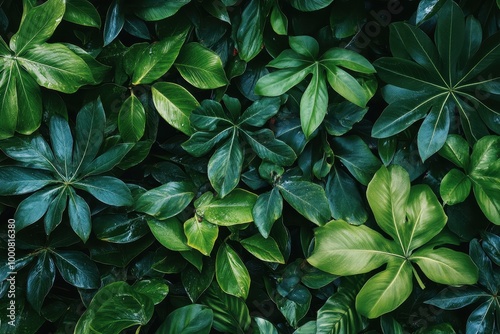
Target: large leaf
31,151
132,119
201,235
82,12
61,140
175,104
19,180
79,215
249,35
264,249
235,208
34,207
343,249
167,200
55,66
455,298
40,280
38,25
77,269
115,20
309,199
169,233
314,102
269,148
115,307
200,67
267,210
231,273
310,5
385,291
107,189
190,319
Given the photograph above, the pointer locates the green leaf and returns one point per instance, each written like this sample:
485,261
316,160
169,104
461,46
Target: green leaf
434,130
387,194
453,298
38,26
482,319
427,9
344,198
201,235
155,288
491,246
355,154
40,280
132,119
310,5
61,141
231,314
385,291
455,187
79,215
314,102
348,59
169,233
108,160
264,326
278,20
77,269
260,111
34,207
201,67
279,82
249,36
225,165
446,266
456,150
120,228
56,67
83,13
309,199
189,319
175,104
107,189
347,86
208,116
304,45
338,314
166,201
195,282
19,180
341,117
8,103
269,148
153,10
264,249
115,19
234,209
31,151
156,59
267,210
55,211
231,273
390,325
115,307
343,249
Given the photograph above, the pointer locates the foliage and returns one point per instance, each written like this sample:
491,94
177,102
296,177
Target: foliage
260,166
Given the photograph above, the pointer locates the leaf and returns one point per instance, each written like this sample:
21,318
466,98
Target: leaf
347,86
260,111
77,269
264,326
279,21
19,180
234,209
195,283
189,319
120,228
390,325
434,130
338,314
231,273
385,291
267,210
56,67
200,67
155,288
455,298
8,103
309,199
37,26
314,102
482,319
34,207
343,249
175,104
310,5
446,266
455,187
264,249
456,150
115,307
55,211
115,19
344,198
108,160
31,151
249,36
82,12
79,215
491,246
279,82
201,235
269,148
231,314
166,201
355,154
224,167
156,59
153,10
132,119
427,9
169,233
341,117
61,141
40,280
106,189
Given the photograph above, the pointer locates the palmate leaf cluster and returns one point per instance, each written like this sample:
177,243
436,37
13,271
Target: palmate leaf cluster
260,166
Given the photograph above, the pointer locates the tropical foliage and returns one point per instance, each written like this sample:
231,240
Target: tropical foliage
256,166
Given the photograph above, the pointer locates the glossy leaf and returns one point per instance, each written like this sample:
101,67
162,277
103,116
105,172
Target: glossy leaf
195,283
455,187
308,6
40,280
79,215
115,19
107,189
249,35
455,298
132,119
200,67
231,273
235,208
19,180
155,288
82,12
267,210
201,235
77,269
263,249
34,207
190,319
456,150
169,233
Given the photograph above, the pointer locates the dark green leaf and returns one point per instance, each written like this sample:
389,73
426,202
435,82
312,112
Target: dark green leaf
120,228
231,273
260,112
19,180
269,148
115,19
482,319
249,35
40,280
455,298
132,119
79,215
456,150
434,130
82,12
427,9
263,249
267,210
155,288
341,117
195,283
310,5
190,319
55,211
167,200
106,189
77,269
154,10
34,207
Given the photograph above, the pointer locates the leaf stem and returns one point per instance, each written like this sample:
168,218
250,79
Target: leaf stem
419,280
